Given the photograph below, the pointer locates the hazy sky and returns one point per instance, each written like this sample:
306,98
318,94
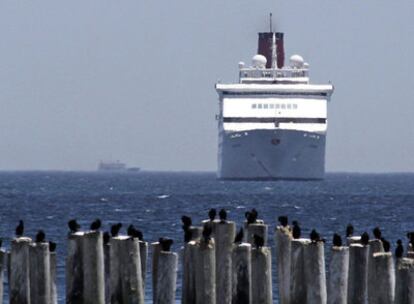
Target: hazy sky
134,80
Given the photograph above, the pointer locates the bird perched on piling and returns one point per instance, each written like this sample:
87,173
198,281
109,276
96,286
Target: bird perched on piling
20,229
349,230
258,241
315,236
115,229
52,246
337,240
165,244
135,233
73,226
296,231
1,242
207,230
365,239
40,237
187,222
399,251
283,220
377,233
251,216
106,238
386,245
239,237
96,225
212,214
223,215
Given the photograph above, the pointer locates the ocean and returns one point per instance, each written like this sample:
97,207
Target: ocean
154,202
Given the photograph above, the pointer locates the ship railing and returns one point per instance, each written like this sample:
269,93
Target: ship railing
273,73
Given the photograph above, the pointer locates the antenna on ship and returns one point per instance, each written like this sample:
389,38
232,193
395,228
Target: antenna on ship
273,46
270,18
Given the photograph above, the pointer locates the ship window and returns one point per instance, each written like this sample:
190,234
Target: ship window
254,106
289,106
259,106
295,106
272,106
283,106
265,106
277,106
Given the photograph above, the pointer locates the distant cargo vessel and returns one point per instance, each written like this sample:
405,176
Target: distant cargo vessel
116,166
272,124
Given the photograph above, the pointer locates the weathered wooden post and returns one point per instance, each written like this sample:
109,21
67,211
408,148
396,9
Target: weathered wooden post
19,271
39,268
156,249
143,252
298,283
225,233
261,276
283,237
3,265
74,269
205,275
353,239
166,277
383,274
375,246
259,229
189,264
338,275
53,288
314,261
404,285
242,274
107,270
358,274
196,232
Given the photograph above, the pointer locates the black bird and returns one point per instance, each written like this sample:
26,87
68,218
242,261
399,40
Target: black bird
223,215
251,217
349,230
106,238
165,244
40,236
386,245
135,233
188,235
20,229
115,229
283,220
399,250
255,214
377,233
1,243
239,236
365,239
186,220
337,240
96,224
212,214
410,236
52,246
258,241
73,226
296,232
314,236
207,230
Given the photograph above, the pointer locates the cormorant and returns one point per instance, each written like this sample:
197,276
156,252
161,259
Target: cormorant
135,233
296,232
349,230
258,241
106,237
52,246
115,229
377,233
73,226
165,244
365,238
239,236
223,215
207,230
314,236
186,220
212,214
187,235
337,240
20,229
40,236
399,250
386,245
96,224
283,220
1,242
251,216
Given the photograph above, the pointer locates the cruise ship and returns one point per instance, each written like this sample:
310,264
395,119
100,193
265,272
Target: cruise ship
272,124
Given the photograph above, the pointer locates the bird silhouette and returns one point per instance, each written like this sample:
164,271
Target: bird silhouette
386,245
212,214
1,242
296,231
73,226
52,246
20,229
399,251
165,244
135,233
187,222
337,240
251,216
349,230
106,238
188,235
377,233
314,236
364,239
115,229
207,230
283,220
40,237
239,237
258,241
96,225
223,215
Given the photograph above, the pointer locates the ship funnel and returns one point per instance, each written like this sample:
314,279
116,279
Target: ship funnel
265,48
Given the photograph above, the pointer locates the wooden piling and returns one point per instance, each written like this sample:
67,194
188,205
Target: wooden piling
283,238
155,249
19,271
196,232
374,247
259,229
53,288
107,271
242,274
74,269
205,275
224,238
39,269
353,240
188,295
382,276
314,261
404,285
298,283
410,254
143,252
338,276
3,266
358,274
166,277
261,276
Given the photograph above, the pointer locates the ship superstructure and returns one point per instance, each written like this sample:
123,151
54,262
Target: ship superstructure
272,123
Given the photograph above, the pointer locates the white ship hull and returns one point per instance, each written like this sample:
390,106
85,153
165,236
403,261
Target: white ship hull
271,154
